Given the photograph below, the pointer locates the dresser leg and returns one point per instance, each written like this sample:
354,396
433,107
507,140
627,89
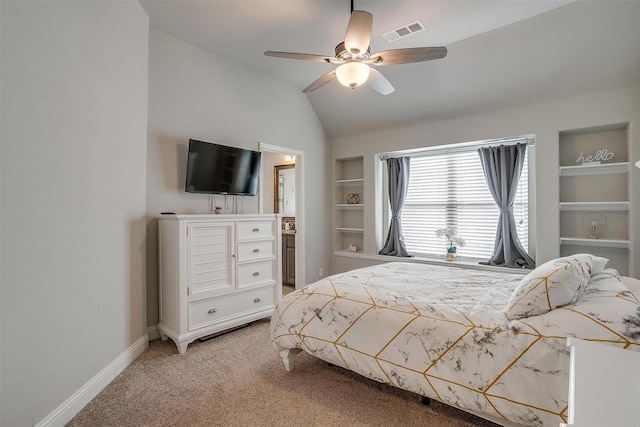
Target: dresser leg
182,347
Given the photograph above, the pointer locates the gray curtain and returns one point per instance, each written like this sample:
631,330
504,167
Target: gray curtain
502,166
398,172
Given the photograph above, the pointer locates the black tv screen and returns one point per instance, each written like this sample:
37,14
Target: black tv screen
219,169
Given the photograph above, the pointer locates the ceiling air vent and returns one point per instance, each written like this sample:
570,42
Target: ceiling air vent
405,31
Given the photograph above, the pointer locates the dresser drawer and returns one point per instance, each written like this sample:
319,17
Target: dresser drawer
249,230
255,273
253,251
209,312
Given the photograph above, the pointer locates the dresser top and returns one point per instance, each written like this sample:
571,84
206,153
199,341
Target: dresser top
218,216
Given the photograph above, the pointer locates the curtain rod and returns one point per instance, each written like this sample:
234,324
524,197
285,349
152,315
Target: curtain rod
458,148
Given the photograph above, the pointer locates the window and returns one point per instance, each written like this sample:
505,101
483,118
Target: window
447,188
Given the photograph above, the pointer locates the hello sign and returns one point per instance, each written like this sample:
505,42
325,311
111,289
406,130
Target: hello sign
601,155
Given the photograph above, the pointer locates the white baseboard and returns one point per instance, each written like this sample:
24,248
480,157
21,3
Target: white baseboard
69,408
153,333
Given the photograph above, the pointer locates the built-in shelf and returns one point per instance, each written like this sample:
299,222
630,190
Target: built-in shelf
350,206
350,182
348,253
595,198
350,230
349,217
595,169
595,206
602,243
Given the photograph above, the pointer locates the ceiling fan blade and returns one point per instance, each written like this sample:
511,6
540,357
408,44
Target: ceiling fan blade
358,35
379,83
302,56
408,55
323,80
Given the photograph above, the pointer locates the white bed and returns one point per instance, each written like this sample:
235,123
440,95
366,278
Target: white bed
493,344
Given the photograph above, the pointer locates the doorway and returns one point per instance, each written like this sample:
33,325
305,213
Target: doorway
274,160
284,203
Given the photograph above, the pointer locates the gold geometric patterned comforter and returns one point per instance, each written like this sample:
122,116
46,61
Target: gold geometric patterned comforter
442,332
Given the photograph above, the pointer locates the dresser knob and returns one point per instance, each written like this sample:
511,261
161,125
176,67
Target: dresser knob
257,273
255,251
257,300
256,229
213,310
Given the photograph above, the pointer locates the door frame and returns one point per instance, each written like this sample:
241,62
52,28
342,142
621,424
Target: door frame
300,213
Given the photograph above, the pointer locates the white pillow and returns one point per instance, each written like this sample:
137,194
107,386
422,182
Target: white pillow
555,283
594,264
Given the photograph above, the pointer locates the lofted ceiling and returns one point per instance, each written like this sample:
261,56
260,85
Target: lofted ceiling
501,53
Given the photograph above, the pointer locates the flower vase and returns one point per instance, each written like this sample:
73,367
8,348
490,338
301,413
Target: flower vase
451,253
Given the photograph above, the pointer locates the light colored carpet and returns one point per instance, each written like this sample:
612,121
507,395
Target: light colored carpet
238,379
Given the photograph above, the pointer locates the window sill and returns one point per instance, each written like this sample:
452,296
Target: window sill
458,263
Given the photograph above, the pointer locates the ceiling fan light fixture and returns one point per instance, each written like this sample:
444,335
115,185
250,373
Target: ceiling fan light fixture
352,74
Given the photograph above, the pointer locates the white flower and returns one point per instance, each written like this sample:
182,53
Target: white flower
451,235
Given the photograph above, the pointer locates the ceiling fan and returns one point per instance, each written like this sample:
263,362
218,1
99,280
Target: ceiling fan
354,57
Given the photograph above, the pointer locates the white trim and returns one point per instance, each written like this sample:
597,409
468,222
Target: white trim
595,206
595,169
600,243
153,333
70,407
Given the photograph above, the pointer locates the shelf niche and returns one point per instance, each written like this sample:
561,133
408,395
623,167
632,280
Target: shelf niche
596,190
349,211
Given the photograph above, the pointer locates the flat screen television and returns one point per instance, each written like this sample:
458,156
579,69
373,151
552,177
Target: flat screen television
219,169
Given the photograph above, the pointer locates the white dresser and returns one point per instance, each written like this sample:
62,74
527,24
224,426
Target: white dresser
216,272
604,385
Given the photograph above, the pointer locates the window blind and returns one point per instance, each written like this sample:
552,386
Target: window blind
448,189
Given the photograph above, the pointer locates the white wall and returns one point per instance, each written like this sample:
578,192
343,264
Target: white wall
545,121
74,125
195,94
